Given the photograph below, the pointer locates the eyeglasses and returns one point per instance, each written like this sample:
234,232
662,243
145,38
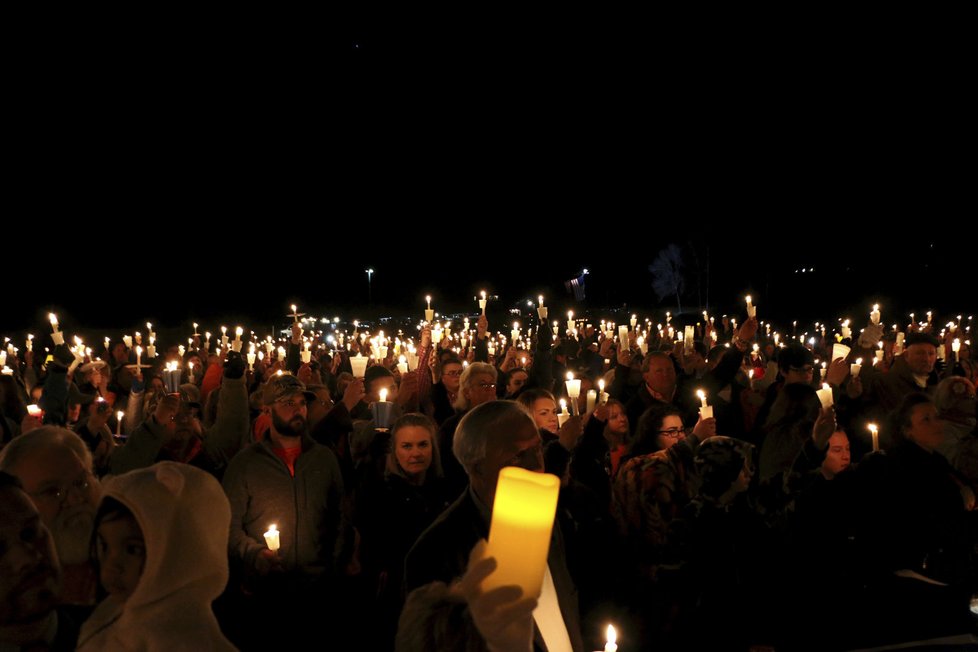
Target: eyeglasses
452,373
289,403
675,433
807,369
59,493
487,385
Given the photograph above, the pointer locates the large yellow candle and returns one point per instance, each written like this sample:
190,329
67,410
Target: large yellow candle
522,520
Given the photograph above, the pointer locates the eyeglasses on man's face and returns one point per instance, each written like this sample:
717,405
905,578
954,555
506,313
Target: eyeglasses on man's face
453,373
58,493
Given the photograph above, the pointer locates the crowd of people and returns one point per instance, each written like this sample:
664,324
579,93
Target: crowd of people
248,502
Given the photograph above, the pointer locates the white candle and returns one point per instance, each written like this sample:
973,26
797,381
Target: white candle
956,347
563,415
623,337
429,314
854,369
383,395
542,310
515,333
612,638
54,321
271,538
876,436
751,311
602,395
402,365
825,396
573,385
592,399
874,316
633,321
30,342
118,422
482,302
295,319
359,365
251,361
706,411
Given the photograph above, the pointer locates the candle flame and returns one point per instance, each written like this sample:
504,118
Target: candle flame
383,395
872,428
612,635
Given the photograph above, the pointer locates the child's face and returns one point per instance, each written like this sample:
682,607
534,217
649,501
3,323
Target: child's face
121,555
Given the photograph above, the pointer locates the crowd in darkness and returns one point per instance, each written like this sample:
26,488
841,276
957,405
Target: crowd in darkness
723,487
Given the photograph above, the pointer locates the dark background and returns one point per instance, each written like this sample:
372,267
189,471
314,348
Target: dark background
253,290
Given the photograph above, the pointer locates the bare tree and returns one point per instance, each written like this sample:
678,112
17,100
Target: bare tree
667,274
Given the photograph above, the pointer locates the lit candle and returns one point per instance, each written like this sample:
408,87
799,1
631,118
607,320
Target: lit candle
592,399
856,367
271,538
196,334
840,351
898,345
30,342
429,314
876,437
623,337
751,310
825,396
151,349
612,638
956,347
633,321
34,411
383,395
402,365
359,365
874,316
706,411
515,333
295,320
571,324
542,310
519,535
118,423
139,354
603,394
53,318
563,415
482,302
306,353
224,337
251,361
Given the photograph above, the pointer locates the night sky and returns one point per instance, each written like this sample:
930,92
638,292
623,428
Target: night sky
257,292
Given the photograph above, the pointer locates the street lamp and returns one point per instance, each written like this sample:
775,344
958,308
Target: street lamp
369,292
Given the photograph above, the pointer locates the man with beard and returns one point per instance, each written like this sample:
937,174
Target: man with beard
290,481
55,467
29,577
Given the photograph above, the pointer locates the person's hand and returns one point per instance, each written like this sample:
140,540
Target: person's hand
267,561
570,432
601,413
605,348
504,616
705,428
624,357
353,394
482,326
426,336
296,333
837,372
304,374
855,388
407,392
28,423
824,427
748,329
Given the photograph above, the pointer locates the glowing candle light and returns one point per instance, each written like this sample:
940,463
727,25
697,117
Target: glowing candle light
482,302
706,411
429,314
358,365
542,310
611,636
118,423
751,310
563,415
519,535
876,437
271,538
855,368
874,316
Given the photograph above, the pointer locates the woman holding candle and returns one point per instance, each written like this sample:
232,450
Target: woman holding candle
393,513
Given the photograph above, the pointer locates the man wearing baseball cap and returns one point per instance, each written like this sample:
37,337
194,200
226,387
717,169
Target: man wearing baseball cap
289,481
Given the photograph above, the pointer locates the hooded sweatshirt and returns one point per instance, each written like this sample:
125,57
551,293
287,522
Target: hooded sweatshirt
184,516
